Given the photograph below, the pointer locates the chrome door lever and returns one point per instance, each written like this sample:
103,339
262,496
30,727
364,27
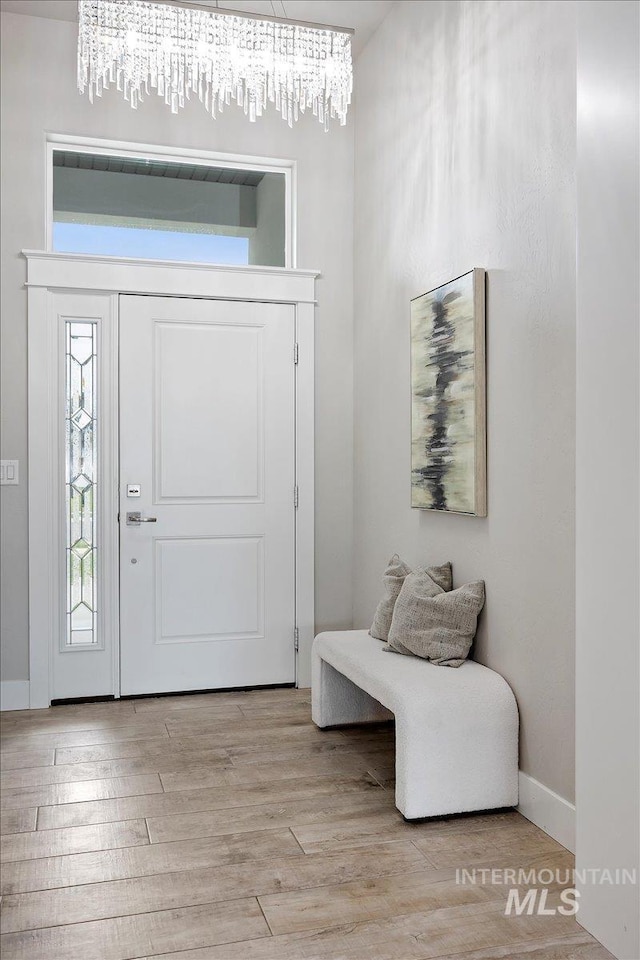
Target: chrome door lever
134,518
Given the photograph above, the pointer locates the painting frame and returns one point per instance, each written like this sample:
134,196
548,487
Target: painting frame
448,394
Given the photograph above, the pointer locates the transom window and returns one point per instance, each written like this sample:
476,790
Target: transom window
119,204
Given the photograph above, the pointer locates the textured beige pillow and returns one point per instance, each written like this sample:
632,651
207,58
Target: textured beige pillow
394,576
435,626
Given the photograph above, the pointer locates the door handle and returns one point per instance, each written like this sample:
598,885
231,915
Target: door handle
134,518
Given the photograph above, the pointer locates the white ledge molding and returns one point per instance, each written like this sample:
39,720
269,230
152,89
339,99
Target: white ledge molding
169,278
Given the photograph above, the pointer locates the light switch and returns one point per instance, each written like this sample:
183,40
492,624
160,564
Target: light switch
9,472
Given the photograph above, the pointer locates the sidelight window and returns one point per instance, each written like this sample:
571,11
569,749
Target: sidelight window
81,447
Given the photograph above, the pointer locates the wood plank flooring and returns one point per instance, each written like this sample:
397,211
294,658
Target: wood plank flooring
227,827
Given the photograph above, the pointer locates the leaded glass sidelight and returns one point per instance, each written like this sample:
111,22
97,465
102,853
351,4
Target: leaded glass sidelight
81,482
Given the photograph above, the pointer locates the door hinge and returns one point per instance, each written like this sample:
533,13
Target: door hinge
295,353
296,497
296,638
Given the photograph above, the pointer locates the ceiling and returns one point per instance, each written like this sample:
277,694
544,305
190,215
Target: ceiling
364,16
153,168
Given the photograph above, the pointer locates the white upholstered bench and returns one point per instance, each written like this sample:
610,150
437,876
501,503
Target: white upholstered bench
456,727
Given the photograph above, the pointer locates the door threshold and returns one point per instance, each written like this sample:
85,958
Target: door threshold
67,701
189,693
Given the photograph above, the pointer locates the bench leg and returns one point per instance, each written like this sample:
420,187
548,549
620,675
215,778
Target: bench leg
444,771
335,700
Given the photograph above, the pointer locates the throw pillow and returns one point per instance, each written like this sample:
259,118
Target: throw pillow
393,579
439,627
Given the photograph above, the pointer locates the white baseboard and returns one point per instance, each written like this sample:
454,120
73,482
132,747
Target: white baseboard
14,695
548,810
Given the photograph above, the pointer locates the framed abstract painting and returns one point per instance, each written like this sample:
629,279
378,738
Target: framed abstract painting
448,398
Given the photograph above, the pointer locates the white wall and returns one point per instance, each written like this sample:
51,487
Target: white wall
465,157
39,94
607,471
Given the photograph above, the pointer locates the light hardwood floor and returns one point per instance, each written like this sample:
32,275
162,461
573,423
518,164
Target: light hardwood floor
227,827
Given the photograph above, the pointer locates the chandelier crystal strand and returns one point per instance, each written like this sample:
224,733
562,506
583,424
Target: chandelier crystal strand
141,47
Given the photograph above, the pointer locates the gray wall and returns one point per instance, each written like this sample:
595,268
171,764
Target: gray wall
46,99
267,244
607,469
153,198
465,157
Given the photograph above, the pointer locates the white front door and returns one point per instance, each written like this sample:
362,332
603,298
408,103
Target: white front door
207,460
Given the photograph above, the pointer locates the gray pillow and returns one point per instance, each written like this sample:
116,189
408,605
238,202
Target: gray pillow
436,626
394,576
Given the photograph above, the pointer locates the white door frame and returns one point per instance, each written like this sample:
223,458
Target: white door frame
51,274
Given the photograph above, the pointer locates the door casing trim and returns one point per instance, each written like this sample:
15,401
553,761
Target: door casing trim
49,274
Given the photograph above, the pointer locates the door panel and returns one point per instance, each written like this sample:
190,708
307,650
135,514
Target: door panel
207,434
204,371
188,609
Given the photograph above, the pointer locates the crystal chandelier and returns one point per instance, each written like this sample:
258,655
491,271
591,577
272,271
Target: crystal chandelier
182,50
